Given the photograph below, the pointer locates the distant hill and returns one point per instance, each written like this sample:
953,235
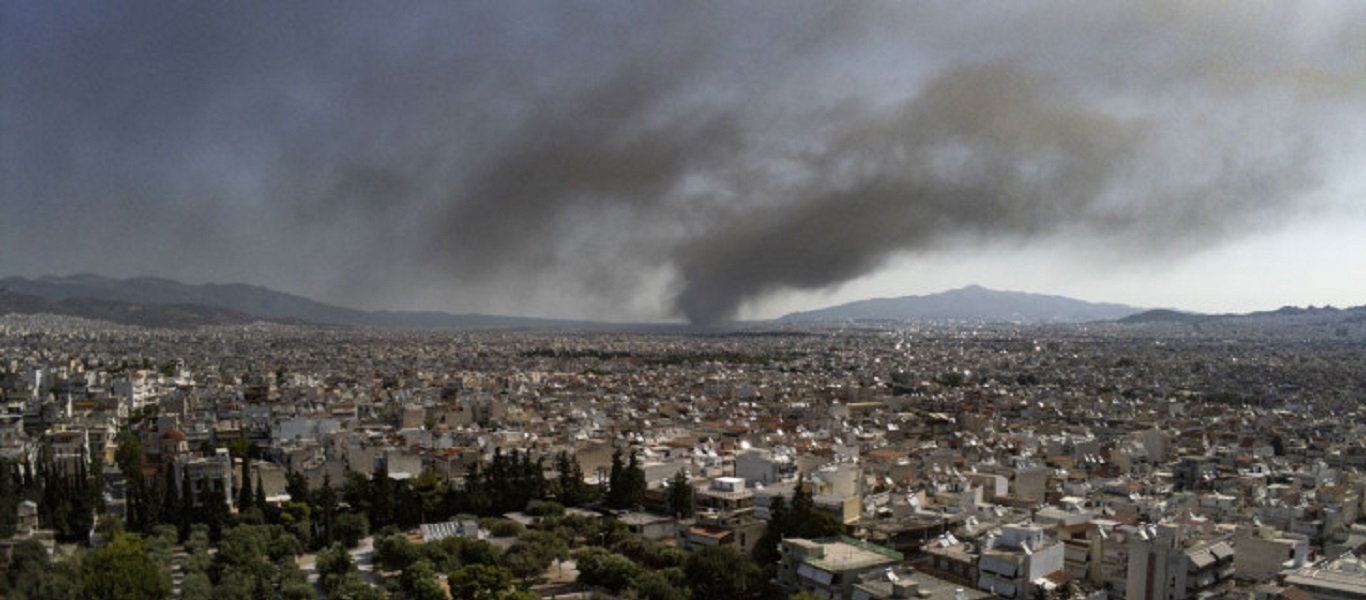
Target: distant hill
250,300
1163,315
972,303
1286,315
143,315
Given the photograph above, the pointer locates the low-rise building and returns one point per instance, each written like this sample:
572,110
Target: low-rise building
830,567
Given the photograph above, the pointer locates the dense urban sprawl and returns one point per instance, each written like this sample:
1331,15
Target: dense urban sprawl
1099,461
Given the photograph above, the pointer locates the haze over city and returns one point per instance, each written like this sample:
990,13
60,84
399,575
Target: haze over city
670,161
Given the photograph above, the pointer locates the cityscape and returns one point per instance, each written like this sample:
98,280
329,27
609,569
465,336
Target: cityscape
658,300
772,460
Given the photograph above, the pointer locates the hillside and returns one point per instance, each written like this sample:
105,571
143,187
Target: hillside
972,303
247,300
143,315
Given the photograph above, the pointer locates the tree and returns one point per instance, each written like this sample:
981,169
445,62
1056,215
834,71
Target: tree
616,481
32,574
431,493
242,550
635,481
766,549
326,506
245,498
296,485
128,456
213,508
394,552
681,495
11,483
196,586
67,499
626,487
183,512
350,528
650,554
532,554
352,587
241,449
479,582
260,498
722,572
820,524
333,564
603,568
544,508
802,505
381,495
123,571
655,585
472,498
570,488
418,582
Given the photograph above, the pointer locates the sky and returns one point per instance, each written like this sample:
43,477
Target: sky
700,161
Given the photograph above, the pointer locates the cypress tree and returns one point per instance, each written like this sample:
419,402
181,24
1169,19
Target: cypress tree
766,550
635,482
260,493
381,496
184,508
246,497
680,495
802,505
616,482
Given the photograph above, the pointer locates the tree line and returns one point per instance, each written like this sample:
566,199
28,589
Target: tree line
255,549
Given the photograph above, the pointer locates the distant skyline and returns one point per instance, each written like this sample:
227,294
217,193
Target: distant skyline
666,161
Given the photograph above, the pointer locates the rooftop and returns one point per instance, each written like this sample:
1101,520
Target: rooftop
846,553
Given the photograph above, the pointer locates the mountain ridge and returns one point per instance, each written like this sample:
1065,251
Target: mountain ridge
127,313
158,301
971,303
253,300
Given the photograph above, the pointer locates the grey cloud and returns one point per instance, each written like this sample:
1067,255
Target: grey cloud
682,160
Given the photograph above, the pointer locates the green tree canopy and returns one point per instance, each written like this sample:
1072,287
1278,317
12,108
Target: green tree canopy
480,582
603,568
123,571
722,572
681,495
418,582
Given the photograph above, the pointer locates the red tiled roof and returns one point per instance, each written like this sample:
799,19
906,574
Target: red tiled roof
1059,577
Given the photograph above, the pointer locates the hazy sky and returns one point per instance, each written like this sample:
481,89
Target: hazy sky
699,160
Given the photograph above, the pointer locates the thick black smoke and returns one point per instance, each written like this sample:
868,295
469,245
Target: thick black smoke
648,160
988,152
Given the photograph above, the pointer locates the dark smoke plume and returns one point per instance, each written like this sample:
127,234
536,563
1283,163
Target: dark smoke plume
982,152
646,160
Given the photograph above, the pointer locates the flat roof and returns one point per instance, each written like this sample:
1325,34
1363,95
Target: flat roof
844,553
1327,579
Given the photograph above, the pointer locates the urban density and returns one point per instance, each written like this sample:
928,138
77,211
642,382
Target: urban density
669,300
850,461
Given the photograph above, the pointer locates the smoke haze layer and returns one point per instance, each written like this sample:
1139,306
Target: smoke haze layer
652,160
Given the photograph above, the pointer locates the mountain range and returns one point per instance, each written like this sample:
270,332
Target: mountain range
157,302
973,304
130,301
